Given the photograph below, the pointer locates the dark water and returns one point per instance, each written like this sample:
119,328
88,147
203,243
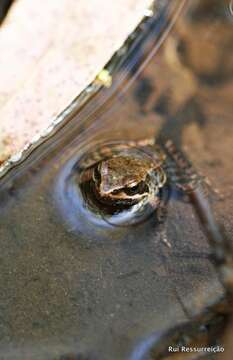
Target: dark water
77,287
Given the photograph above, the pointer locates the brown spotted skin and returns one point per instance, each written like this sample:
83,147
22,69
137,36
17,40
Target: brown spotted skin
126,173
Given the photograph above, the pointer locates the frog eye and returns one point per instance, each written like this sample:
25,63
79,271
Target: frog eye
140,188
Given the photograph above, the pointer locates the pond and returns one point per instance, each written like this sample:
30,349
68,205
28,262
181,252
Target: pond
77,284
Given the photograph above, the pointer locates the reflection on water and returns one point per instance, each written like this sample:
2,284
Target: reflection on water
58,285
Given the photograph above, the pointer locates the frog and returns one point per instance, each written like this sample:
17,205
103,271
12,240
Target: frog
134,174
127,174
125,179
